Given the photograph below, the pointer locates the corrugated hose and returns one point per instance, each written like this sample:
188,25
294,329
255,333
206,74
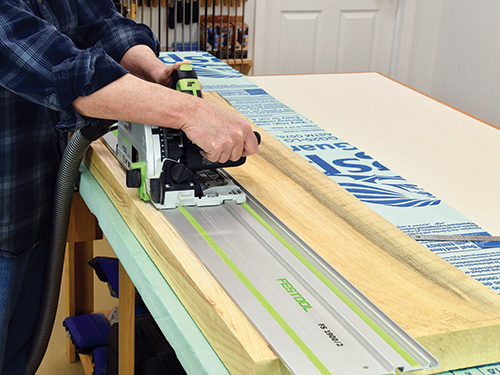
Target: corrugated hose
65,184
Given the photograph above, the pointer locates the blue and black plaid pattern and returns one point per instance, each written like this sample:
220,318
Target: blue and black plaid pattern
51,52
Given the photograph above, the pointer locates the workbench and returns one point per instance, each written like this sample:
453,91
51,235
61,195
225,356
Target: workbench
444,151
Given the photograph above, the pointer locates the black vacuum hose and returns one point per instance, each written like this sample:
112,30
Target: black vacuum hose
65,183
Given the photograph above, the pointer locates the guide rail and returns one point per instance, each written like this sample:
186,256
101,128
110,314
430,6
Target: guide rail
315,320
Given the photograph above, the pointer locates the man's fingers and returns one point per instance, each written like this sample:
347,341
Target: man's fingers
226,146
178,64
224,151
221,134
236,152
208,156
224,156
166,76
251,145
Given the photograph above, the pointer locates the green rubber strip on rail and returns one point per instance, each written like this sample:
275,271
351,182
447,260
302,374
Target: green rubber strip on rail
388,339
270,309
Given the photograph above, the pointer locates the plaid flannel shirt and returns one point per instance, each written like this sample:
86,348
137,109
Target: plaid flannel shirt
51,52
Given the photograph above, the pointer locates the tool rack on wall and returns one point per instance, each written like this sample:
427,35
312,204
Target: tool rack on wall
215,26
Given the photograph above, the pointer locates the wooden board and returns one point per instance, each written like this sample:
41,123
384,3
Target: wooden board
234,339
87,364
452,315
82,226
126,328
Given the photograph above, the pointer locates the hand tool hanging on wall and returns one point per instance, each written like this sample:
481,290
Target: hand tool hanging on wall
124,8
196,11
159,21
118,5
180,14
213,39
187,12
133,9
171,15
148,4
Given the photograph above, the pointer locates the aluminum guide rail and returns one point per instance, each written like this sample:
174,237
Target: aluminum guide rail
313,318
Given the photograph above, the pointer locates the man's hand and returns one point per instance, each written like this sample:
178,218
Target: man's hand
165,76
143,63
221,134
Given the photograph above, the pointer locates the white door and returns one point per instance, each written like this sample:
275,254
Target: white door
320,36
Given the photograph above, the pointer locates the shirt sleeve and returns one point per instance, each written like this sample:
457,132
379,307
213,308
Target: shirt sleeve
100,23
42,65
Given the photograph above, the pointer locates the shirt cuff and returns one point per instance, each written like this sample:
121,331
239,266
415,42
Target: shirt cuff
81,75
141,34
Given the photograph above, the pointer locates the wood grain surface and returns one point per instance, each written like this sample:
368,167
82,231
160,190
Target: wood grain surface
455,317
234,339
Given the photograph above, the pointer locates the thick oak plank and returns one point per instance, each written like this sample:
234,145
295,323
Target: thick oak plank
235,340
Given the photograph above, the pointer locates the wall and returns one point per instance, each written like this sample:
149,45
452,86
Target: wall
425,35
250,21
456,55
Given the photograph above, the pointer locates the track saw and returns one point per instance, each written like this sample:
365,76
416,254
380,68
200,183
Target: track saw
313,318
167,167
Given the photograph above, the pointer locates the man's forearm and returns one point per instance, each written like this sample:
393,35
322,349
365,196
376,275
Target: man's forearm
141,61
139,96
222,134
133,99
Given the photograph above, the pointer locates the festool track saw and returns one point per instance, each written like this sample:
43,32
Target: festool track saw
167,167
313,318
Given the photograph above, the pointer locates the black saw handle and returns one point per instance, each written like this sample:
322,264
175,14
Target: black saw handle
195,162
185,80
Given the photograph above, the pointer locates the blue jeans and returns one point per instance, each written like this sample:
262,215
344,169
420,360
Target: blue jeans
21,285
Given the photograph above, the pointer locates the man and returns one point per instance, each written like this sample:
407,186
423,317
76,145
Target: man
62,62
